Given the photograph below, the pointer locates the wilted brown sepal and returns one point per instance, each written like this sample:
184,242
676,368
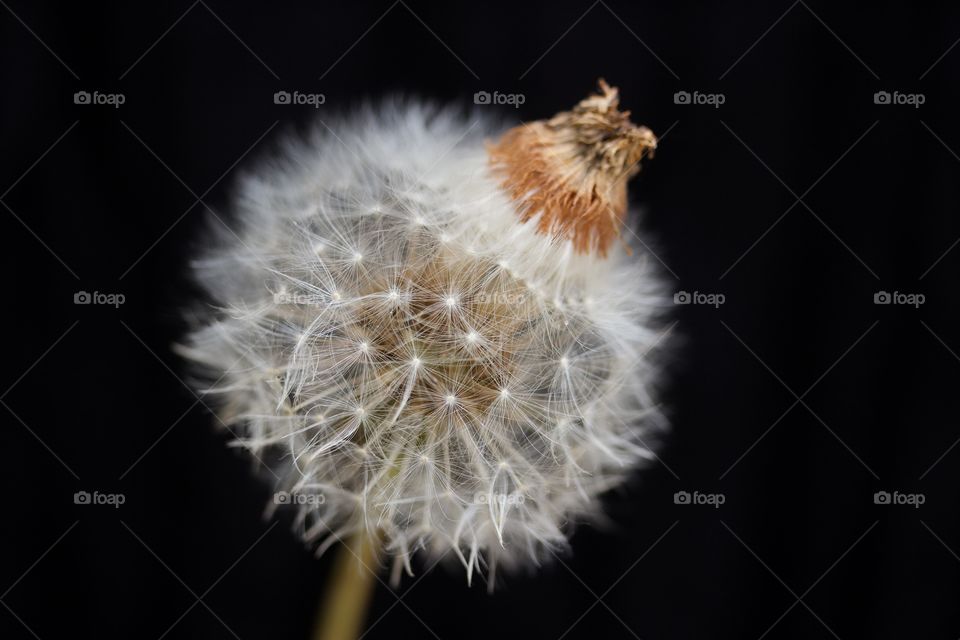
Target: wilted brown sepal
572,169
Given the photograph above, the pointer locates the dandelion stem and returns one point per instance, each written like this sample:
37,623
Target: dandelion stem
349,590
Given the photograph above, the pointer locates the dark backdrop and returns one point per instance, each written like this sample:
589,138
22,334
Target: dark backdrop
798,399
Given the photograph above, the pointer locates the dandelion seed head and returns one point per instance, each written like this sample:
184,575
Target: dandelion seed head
411,377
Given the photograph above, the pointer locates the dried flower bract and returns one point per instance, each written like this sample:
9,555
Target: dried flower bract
570,172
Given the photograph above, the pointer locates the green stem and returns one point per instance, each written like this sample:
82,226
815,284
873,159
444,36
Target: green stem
349,591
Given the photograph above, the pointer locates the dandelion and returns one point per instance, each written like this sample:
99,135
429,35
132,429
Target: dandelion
460,360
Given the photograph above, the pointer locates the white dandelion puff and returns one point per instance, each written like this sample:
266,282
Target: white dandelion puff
440,338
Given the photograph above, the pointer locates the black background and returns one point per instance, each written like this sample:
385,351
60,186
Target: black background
798,399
